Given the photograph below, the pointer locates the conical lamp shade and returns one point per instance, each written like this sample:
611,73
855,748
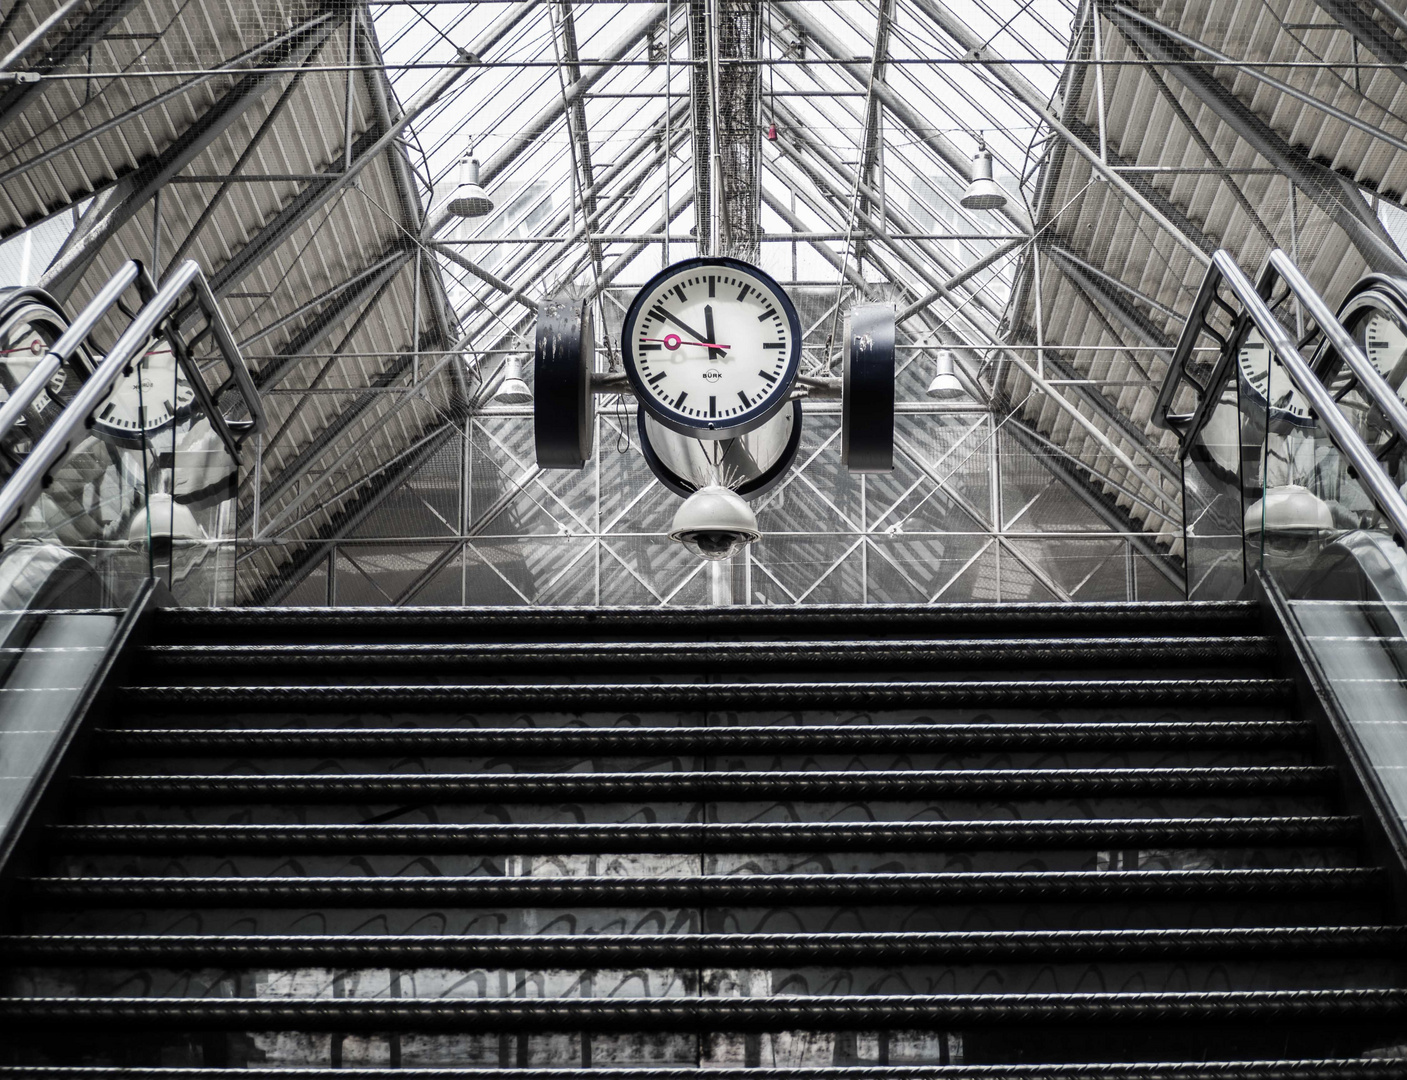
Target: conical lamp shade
513,390
469,200
983,193
946,385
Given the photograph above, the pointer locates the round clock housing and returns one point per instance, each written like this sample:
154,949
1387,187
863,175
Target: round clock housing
1266,385
712,347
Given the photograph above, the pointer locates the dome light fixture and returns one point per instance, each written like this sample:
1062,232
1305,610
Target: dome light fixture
512,390
469,200
946,385
983,193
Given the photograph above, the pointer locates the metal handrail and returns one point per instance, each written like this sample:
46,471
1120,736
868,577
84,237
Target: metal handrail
30,387
1370,471
34,473
1370,380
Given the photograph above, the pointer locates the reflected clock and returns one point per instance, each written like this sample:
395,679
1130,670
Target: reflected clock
155,395
1266,384
711,347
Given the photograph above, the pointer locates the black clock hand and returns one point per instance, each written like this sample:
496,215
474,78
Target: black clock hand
677,321
713,354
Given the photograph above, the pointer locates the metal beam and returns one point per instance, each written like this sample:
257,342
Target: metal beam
922,128
314,451
1335,195
577,130
95,26
291,573
345,298
236,65
1107,509
534,129
1099,285
738,154
367,149
1033,99
701,123
132,192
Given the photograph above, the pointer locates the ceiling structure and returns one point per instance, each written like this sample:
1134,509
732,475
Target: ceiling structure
303,153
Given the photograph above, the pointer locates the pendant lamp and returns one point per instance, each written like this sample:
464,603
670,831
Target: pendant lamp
945,385
469,200
983,193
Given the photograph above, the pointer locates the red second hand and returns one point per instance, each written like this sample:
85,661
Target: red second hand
665,341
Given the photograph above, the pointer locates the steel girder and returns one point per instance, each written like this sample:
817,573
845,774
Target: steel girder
1096,401
300,566
314,451
701,123
739,129
1081,479
533,130
917,124
368,147
577,129
120,203
1337,196
291,574
95,26
1022,88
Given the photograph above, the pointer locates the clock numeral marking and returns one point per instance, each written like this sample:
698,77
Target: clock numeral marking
169,407
659,313
679,401
712,405
711,282
653,379
767,315
1255,345
649,347
768,376
108,411
774,345
746,403
743,295
1377,344
679,292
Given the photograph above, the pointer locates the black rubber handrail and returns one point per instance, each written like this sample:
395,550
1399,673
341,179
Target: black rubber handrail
1278,831
927,1012
787,695
1017,887
835,738
1307,1069
630,655
637,786
578,951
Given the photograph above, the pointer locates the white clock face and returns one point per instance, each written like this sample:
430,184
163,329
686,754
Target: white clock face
1265,377
154,395
1385,344
711,347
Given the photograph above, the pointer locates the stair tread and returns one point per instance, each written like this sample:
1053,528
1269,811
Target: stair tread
715,949
616,786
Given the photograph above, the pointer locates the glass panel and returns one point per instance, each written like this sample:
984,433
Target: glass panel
1313,529
192,475
1212,503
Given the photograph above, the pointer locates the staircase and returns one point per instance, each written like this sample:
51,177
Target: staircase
1020,841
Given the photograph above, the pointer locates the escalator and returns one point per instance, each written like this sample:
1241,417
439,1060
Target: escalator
1156,841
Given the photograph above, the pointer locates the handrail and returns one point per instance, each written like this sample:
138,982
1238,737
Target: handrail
1370,380
30,387
33,474
1370,472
